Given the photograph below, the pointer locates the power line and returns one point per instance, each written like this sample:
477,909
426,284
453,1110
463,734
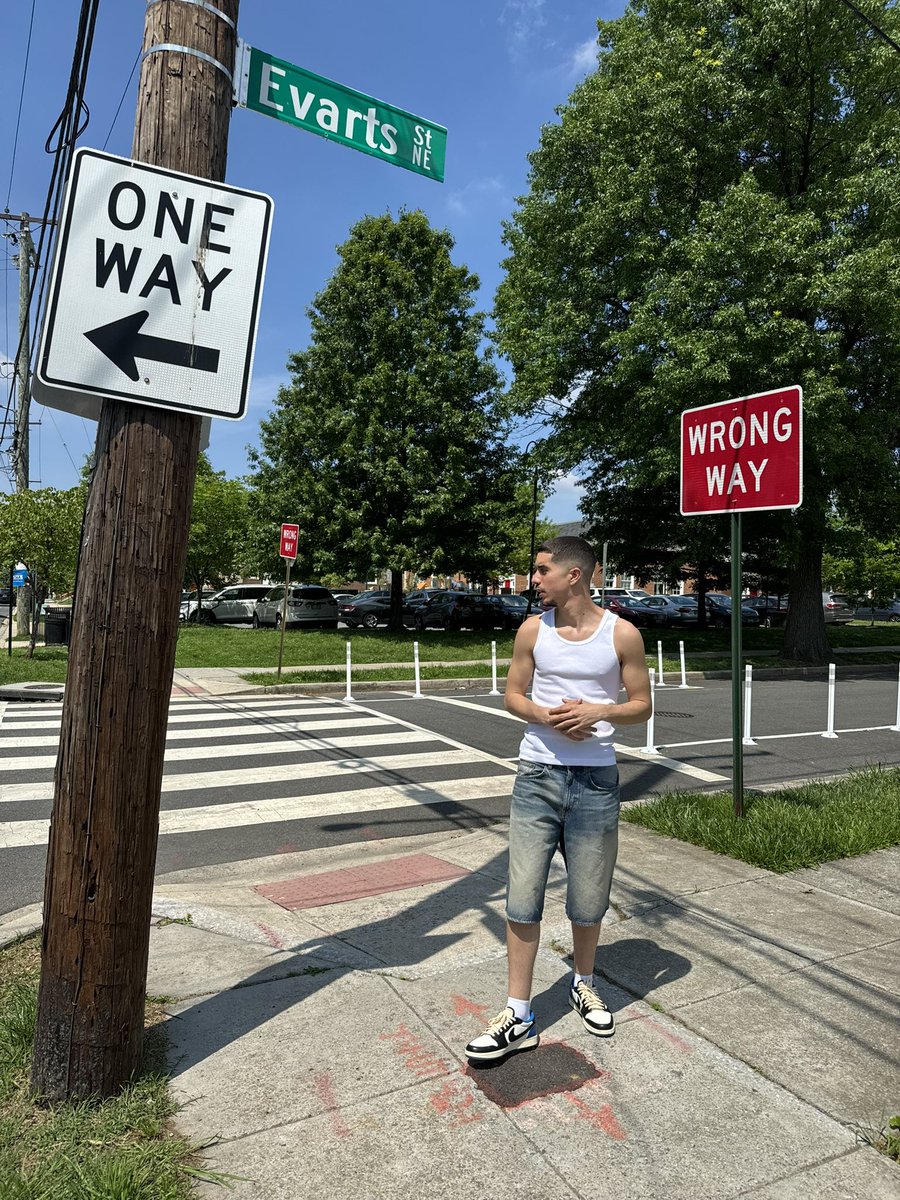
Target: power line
137,59
21,98
877,28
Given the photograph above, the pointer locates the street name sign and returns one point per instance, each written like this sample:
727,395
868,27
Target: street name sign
290,536
743,455
155,291
266,84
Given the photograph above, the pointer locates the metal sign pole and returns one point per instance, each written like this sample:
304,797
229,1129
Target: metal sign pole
737,748
287,585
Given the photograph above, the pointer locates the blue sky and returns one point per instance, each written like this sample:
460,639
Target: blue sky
491,71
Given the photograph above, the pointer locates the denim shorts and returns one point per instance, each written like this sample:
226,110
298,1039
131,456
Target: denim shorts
577,810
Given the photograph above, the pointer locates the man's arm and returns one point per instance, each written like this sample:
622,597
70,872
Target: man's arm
576,718
521,670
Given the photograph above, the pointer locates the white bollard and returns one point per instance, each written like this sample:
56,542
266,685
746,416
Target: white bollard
650,748
495,691
662,682
349,695
748,693
684,683
896,725
417,694
829,732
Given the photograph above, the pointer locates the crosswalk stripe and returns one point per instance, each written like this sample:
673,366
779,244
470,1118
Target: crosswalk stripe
18,834
273,774
37,762
215,717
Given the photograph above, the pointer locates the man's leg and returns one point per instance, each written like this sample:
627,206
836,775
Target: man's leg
584,943
521,946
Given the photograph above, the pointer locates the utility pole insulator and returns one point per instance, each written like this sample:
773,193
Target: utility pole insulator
102,853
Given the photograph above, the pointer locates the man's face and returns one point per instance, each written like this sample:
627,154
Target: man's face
552,580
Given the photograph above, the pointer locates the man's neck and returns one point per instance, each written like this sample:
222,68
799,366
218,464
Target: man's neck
578,613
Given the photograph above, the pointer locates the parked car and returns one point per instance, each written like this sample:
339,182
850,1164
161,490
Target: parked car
635,593
635,611
308,604
230,606
413,602
837,608
6,597
718,611
874,612
456,610
516,610
368,609
671,610
772,610
189,602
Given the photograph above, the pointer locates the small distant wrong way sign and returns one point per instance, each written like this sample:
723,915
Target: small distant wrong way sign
743,455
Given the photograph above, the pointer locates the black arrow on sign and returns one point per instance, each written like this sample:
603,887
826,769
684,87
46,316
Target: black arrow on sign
122,342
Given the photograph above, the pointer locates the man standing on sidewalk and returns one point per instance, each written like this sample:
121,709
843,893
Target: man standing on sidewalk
566,792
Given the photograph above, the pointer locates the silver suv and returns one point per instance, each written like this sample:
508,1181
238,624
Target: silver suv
836,608
308,604
230,606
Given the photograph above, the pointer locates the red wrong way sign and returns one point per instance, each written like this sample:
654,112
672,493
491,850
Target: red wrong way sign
290,535
743,455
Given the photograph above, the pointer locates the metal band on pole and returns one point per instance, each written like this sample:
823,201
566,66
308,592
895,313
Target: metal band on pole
201,4
193,53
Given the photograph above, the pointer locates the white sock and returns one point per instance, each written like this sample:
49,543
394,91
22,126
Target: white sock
522,1008
588,979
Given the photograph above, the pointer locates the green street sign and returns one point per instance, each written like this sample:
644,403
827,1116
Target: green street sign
280,89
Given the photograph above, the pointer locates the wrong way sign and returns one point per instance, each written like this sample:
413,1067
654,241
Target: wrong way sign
155,291
743,455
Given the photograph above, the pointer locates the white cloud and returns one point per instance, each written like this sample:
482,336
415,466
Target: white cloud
523,18
264,389
584,58
465,199
562,506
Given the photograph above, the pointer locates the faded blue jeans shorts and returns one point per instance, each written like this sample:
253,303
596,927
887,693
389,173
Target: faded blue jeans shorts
577,810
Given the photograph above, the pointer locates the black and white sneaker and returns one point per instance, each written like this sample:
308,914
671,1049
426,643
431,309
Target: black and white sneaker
595,1016
504,1035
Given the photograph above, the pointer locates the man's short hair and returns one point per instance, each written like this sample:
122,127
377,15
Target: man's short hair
572,552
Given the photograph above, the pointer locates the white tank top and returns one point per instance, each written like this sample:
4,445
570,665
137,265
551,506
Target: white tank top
589,670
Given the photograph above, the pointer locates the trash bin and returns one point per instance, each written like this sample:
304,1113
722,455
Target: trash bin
57,626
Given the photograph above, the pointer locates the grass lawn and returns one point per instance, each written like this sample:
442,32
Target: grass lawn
116,1148
203,646
784,830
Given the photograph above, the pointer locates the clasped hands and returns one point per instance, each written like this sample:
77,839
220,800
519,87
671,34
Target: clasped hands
576,719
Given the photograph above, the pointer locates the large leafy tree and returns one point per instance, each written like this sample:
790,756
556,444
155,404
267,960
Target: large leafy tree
216,543
42,528
387,445
714,215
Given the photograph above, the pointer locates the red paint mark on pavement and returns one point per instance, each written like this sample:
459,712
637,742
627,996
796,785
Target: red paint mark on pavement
325,1092
452,1101
468,1008
271,936
353,883
672,1038
602,1118
416,1056
287,848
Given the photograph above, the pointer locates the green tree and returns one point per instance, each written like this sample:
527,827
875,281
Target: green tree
216,544
866,568
714,215
42,529
387,446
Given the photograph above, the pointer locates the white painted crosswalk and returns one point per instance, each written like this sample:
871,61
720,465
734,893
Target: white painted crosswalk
265,764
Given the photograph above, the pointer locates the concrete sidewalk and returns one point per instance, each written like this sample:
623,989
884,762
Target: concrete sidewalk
320,1043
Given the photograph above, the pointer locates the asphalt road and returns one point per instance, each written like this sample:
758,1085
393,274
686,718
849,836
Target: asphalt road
250,777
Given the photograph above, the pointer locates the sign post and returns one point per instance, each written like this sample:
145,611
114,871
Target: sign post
743,455
290,535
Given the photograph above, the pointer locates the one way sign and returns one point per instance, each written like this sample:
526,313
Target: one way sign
156,287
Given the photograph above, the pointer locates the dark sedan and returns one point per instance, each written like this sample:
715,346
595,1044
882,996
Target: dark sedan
456,610
635,611
369,609
672,610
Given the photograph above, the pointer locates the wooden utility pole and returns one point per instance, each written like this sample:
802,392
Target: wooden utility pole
102,854
23,399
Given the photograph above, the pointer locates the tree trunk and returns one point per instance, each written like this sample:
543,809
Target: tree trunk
804,630
102,853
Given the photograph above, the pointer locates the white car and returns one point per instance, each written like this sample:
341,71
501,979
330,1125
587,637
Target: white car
229,606
308,604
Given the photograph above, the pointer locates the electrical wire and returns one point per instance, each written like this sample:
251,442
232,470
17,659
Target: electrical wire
21,98
137,59
68,128
877,28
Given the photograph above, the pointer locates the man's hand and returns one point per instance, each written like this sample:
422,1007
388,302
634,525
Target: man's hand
576,719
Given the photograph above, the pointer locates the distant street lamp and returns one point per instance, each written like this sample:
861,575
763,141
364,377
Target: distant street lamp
534,499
